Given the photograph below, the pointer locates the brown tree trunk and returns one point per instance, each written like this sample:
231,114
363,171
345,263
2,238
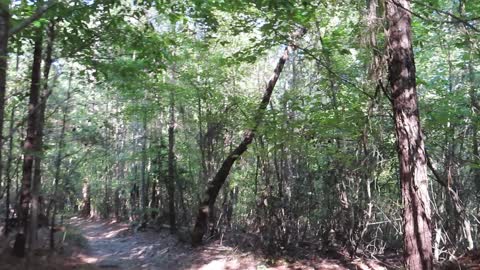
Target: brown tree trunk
58,164
201,223
144,185
86,200
31,140
171,165
411,151
37,174
153,199
7,174
117,205
476,112
4,28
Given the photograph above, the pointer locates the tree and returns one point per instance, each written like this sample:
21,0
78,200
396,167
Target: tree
4,29
30,145
156,92
171,180
5,33
214,186
411,149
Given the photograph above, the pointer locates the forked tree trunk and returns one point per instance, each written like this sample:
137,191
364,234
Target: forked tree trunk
411,151
214,186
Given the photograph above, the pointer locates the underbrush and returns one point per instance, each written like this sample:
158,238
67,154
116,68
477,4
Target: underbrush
72,237
68,242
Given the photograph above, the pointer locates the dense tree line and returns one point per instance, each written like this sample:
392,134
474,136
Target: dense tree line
297,123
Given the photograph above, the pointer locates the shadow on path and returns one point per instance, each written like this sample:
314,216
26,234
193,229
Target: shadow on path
114,246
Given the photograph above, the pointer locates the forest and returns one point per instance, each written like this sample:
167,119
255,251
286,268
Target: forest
239,134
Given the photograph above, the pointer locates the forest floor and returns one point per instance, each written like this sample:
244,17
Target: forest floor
88,244
114,246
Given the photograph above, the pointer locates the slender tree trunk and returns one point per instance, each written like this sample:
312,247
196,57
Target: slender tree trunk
117,205
411,151
156,188
214,186
86,200
7,173
106,198
144,186
153,199
58,164
476,113
201,143
10,157
171,165
133,200
4,28
37,175
30,144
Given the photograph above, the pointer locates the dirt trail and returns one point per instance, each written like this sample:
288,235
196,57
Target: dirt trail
114,246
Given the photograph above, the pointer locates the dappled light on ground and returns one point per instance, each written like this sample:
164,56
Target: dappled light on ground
114,245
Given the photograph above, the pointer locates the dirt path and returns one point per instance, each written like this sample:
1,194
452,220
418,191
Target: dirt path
114,246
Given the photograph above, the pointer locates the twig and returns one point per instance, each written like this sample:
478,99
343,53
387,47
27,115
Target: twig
456,18
332,72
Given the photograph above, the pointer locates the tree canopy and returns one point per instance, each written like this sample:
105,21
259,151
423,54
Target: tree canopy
291,109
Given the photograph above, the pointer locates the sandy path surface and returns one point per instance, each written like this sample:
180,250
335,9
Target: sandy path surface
114,246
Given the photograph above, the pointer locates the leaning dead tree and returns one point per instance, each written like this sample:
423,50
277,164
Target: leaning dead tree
214,186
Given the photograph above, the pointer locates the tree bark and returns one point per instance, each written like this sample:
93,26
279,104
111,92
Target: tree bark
86,200
31,140
37,174
4,28
214,186
411,150
171,165
7,174
144,186
58,164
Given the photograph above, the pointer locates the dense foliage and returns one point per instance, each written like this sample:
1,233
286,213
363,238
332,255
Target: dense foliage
147,98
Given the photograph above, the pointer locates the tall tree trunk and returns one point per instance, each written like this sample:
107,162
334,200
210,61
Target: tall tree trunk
4,28
86,199
7,173
153,199
475,105
171,165
31,140
58,164
214,186
37,174
411,151
10,156
144,186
